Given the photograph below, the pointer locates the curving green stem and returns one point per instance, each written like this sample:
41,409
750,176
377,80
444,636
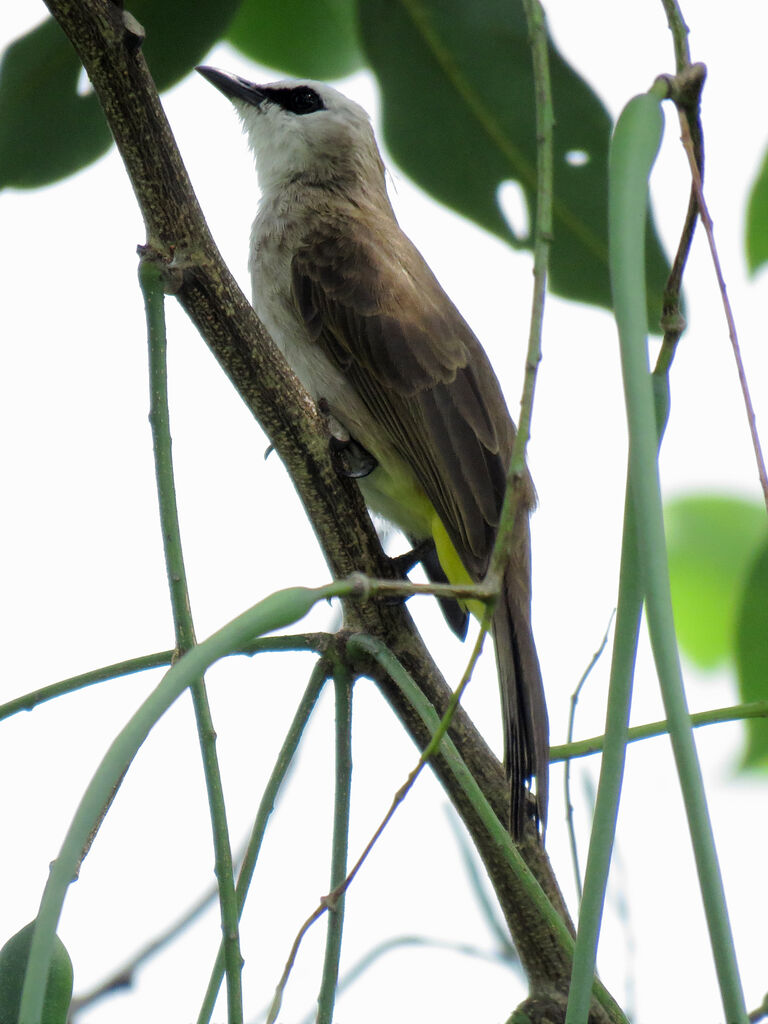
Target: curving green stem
633,151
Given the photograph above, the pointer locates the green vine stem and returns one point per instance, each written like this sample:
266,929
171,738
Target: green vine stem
266,806
340,845
593,745
151,279
545,120
316,642
277,611
633,151
558,930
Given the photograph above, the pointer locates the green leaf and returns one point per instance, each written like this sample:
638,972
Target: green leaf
757,220
752,654
180,33
13,964
305,38
458,105
48,131
712,542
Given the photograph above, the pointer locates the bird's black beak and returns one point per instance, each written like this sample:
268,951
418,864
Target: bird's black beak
234,87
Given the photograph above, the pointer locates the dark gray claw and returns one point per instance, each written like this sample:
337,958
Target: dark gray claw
350,458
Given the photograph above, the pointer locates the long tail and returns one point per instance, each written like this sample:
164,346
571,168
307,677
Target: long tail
524,709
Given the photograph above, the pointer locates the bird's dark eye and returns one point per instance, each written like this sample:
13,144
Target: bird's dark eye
296,99
301,100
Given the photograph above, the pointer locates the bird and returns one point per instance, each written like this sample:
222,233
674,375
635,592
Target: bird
415,411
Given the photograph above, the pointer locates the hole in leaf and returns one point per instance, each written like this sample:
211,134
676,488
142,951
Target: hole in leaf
511,200
577,157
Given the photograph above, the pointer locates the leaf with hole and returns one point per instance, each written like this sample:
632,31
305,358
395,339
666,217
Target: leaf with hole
459,117
48,129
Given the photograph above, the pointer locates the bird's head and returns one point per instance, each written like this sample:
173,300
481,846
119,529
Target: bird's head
303,130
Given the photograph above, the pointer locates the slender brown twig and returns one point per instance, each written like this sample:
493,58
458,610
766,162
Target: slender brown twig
706,221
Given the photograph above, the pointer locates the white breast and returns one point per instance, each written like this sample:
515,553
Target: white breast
274,237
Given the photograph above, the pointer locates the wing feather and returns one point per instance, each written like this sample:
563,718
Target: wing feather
377,311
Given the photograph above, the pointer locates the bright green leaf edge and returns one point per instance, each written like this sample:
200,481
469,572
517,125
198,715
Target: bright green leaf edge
752,654
756,241
712,542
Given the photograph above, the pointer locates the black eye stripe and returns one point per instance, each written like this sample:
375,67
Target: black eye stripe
299,99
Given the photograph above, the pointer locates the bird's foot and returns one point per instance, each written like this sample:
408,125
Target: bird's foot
350,458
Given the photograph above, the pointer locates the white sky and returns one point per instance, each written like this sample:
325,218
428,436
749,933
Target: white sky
84,579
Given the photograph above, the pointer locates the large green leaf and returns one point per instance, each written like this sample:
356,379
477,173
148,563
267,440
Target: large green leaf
305,38
752,653
712,543
459,117
47,130
757,220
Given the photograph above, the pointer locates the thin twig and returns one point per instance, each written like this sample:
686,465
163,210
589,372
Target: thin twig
567,774
760,1013
331,900
679,30
685,90
542,241
365,962
603,1006
124,976
706,220
594,745
311,642
266,806
31,700
274,1008
342,679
